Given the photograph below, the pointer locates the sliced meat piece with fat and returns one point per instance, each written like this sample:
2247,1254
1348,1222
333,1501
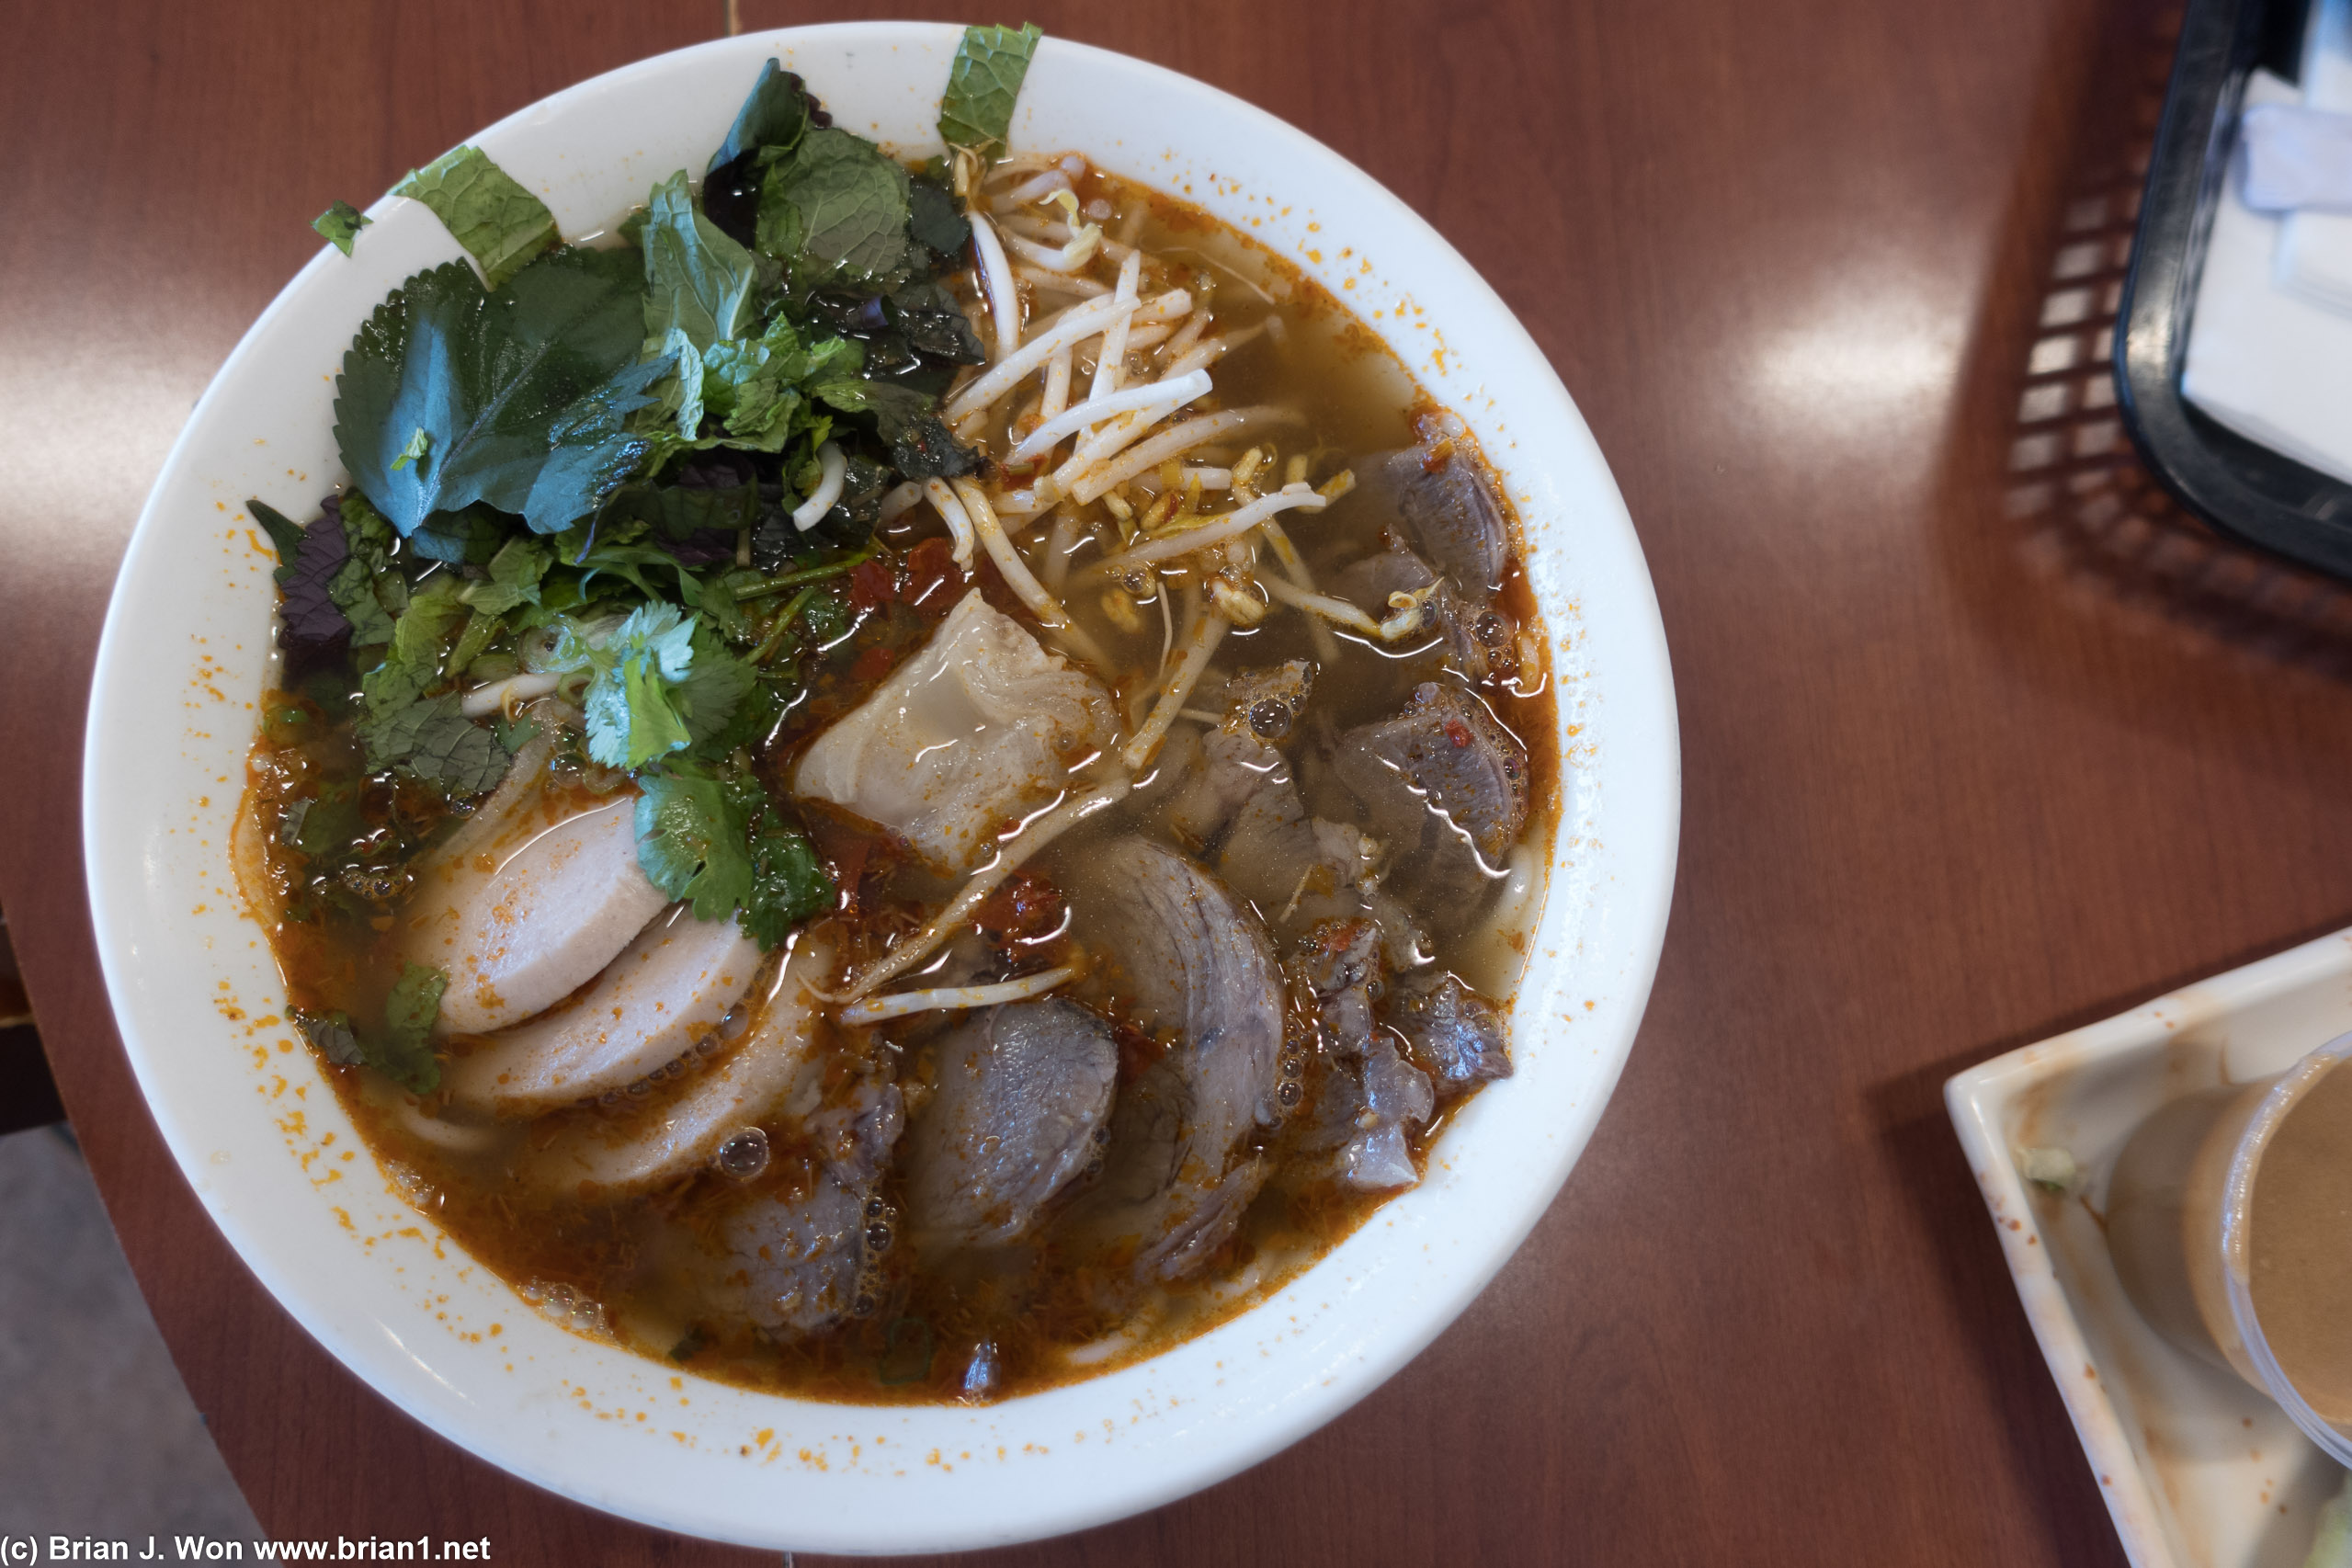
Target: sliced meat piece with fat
976,730
1445,503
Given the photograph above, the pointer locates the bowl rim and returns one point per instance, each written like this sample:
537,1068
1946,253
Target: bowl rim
1643,897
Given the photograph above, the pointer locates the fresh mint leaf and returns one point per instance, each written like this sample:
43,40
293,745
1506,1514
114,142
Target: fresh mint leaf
522,395
404,1052
698,280
368,587
777,112
835,212
481,629
500,224
927,316
690,840
922,447
445,747
340,224
934,220
412,663
983,82
469,537
516,572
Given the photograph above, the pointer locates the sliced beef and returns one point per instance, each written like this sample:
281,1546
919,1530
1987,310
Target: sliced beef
792,1260
1455,1032
976,730
1440,764
1019,1108
1445,503
1189,964
1478,634
1370,1097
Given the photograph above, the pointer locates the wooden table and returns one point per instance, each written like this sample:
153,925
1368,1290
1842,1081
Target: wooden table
1980,743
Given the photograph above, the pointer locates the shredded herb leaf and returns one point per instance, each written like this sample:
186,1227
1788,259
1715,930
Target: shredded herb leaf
501,225
976,111
715,837
340,224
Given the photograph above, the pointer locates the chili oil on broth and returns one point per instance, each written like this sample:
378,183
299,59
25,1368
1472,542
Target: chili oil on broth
1053,1313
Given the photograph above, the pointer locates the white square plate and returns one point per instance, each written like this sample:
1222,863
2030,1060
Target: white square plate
2199,1470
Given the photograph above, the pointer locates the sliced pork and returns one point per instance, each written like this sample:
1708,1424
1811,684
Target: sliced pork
977,729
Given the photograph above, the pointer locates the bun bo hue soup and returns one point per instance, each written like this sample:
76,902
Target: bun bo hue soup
908,783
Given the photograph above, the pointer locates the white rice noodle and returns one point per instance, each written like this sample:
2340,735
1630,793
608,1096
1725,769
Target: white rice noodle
1045,282
996,284
1035,834
1214,531
1339,612
1294,567
1155,399
943,500
1205,629
1057,384
1078,322
900,500
1110,363
1171,443
831,467
874,1009
500,695
1024,586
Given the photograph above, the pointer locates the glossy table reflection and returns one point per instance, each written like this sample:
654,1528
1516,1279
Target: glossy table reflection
1971,755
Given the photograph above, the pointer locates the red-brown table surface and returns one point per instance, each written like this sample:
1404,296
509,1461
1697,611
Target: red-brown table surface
1950,784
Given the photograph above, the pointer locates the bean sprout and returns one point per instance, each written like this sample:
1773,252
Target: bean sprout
1039,832
1212,531
1170,443
1077,321
1016,574
943,500
1207,628
874,1009
483,700
1164,396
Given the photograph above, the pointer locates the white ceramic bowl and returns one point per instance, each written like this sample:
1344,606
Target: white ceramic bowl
277,1162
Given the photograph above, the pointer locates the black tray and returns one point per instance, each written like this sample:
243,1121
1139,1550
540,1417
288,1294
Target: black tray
2239,486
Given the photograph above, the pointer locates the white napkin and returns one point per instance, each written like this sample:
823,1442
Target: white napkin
2271,364
2292,158
2315,249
